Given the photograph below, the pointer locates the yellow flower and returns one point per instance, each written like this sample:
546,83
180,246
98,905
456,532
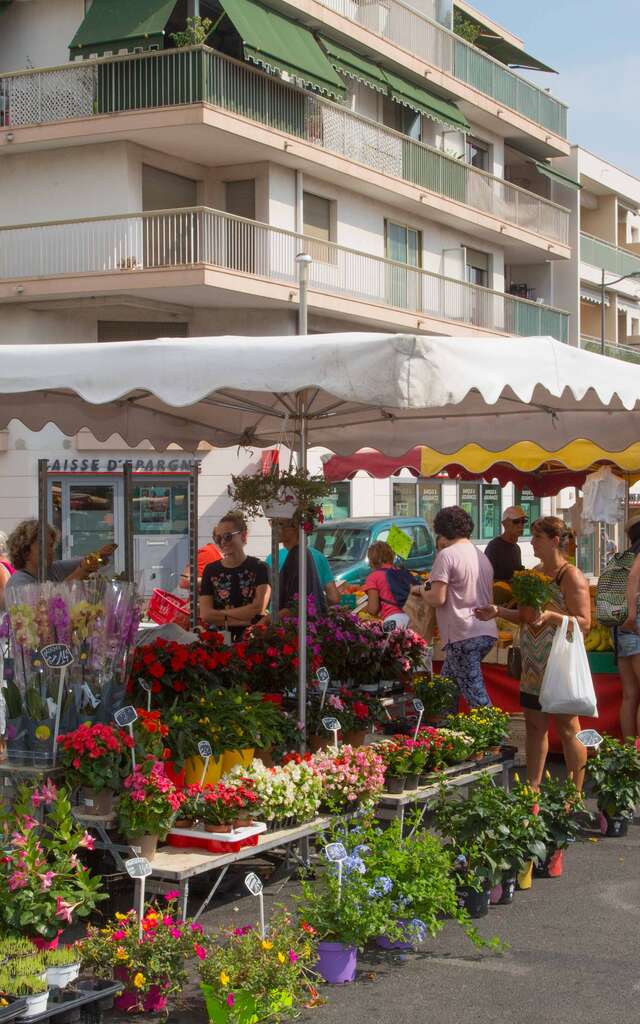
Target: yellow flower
224,978
139,980
281,957
306,950
43,732
266,944
121,917
121,953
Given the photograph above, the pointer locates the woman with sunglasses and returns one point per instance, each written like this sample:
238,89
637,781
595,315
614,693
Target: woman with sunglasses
235,591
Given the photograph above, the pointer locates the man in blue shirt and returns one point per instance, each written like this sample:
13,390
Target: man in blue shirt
323,568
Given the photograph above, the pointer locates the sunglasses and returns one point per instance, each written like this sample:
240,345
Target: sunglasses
520,522
224,538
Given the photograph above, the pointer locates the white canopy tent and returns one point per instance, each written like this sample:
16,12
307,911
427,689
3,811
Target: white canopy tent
338,391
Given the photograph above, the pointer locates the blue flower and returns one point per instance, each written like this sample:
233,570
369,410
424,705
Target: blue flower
358,851
354,863
385,884
419,929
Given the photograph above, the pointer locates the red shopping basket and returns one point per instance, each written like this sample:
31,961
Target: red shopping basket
165,607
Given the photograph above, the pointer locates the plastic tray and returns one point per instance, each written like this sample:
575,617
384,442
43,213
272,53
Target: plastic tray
83,993
216,842
13,1010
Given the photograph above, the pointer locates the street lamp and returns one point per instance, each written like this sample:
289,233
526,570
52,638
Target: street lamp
603,285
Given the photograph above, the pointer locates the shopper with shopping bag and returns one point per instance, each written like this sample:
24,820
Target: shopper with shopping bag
553,653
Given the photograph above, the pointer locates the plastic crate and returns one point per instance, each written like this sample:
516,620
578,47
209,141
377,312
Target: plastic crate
227,842
165,608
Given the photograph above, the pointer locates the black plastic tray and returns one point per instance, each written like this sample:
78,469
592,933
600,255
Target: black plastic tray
13,1010
66,1001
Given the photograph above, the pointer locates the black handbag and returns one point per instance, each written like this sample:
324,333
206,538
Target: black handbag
514,663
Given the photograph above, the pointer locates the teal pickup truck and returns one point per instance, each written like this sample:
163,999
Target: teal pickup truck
345,543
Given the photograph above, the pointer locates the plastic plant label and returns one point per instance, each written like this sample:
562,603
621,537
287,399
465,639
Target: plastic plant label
322,675
144,684
253,883
589,738
335,852
138,867
388,627
418,705
331,724
125,716
204,748
56,655
399,542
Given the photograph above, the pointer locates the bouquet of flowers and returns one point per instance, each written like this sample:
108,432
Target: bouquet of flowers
95,756
43,884
149,801
152,969
289,793
349,777
531,589
245,977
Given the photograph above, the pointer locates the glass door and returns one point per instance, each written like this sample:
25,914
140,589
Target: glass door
90,516
160,533
404,245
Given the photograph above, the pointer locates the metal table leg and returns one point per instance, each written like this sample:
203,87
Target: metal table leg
206,903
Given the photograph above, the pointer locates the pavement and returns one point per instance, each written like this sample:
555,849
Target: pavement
572,956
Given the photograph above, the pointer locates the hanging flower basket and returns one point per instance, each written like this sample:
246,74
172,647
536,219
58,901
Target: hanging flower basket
293,495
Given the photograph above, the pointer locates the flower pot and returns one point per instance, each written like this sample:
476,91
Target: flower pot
283,509
194,767
495,751
402,944
244,1007
183,823
508,890
46,944
613,826
525,876
62,976
226,828
231,758
475,902
35,1004
265,755
317,743
495,894
154,1000
147,845
244,821
101,804
356,737
394,783
478,755
337,962
411,780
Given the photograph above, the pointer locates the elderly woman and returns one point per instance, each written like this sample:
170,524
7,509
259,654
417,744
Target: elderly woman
6,568
23,552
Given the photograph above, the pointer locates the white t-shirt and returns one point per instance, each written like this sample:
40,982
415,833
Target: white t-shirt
468,574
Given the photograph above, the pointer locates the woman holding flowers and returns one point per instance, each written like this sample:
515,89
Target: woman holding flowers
544,598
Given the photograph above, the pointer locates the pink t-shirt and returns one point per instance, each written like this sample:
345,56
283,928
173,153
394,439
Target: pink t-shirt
468,574
377,580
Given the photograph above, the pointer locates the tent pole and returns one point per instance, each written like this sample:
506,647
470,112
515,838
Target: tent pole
43,519
302,589
275,572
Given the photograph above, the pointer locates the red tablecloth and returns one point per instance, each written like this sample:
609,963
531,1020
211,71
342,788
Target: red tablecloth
504,692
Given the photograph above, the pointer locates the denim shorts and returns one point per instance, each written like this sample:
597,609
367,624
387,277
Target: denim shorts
628,644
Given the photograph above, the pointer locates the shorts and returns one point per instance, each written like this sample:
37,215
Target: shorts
627,644
529,700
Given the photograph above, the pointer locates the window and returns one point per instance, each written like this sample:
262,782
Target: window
478,153
318,221
337,505
527,499
404,499
403,244
429,501
469,500
491,511
478,267
422,543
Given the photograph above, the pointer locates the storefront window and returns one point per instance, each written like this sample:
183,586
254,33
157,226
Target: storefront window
587,553
491,511
162,508
337,505
531,505
91,517
429,500
469,500
405,499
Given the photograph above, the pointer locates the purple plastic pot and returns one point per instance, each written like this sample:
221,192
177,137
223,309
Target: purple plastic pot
495,894
384,943
337,962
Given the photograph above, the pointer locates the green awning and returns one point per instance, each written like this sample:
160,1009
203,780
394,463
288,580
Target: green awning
424,102
355,65
279,44
558,176
113,25
511,55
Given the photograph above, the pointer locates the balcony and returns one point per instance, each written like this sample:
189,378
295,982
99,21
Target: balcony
623,352
400,24
132,248
607,257
172,78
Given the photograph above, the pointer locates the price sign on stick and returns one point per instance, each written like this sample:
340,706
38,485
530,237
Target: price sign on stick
323,677
332,725
337,854
57,656
139,868
205,751
399,542
589,738
146,686
125,717
254,885
419,707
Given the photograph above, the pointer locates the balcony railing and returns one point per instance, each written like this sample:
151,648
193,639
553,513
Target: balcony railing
624,352
179,238
172,77
607,257
436,45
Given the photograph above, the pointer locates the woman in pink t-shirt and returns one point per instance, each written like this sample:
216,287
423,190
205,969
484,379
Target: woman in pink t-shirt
6,568
461,576
380,600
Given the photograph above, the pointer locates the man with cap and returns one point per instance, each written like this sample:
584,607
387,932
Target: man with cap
504,551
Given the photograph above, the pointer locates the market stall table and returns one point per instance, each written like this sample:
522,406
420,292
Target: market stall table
458,776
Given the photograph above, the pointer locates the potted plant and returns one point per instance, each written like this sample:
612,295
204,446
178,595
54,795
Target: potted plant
292,494
96,758
416,752
43,884
396,761
615,774
147,806
487,726
32,988
62,965
432,743
226,807
558,801
153,970
289,794
349,777
191,808
438,694
247,977
31,965
455,746
150,734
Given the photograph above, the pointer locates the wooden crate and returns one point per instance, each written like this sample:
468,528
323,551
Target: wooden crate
517,735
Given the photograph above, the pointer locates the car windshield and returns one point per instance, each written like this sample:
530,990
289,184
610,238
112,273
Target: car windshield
341,544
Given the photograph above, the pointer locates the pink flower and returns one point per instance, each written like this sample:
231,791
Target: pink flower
293,956
18,880
167,920
87,841
65,910
231,999
173,895
200,951
175,933
197,929
47,879
119,935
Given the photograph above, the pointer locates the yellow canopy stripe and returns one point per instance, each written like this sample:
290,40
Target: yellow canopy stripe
528,456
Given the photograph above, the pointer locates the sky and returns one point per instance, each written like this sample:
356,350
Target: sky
594,46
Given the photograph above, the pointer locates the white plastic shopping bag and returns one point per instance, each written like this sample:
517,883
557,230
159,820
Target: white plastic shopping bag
567,686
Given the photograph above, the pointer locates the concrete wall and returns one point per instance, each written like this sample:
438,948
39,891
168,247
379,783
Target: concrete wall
37,34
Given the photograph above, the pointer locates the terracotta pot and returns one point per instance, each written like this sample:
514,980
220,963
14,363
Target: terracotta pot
231,758
264,754
495,751
146,844
183,823
317,743
243,822
356,738
477,756
101,804
219,828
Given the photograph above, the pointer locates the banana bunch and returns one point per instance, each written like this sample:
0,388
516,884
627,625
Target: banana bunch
598,639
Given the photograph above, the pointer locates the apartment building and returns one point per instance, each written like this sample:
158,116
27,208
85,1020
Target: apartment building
149,189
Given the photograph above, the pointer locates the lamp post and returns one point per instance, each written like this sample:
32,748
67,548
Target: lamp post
303,259
603,286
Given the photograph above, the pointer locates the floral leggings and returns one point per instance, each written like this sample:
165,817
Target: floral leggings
462,664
